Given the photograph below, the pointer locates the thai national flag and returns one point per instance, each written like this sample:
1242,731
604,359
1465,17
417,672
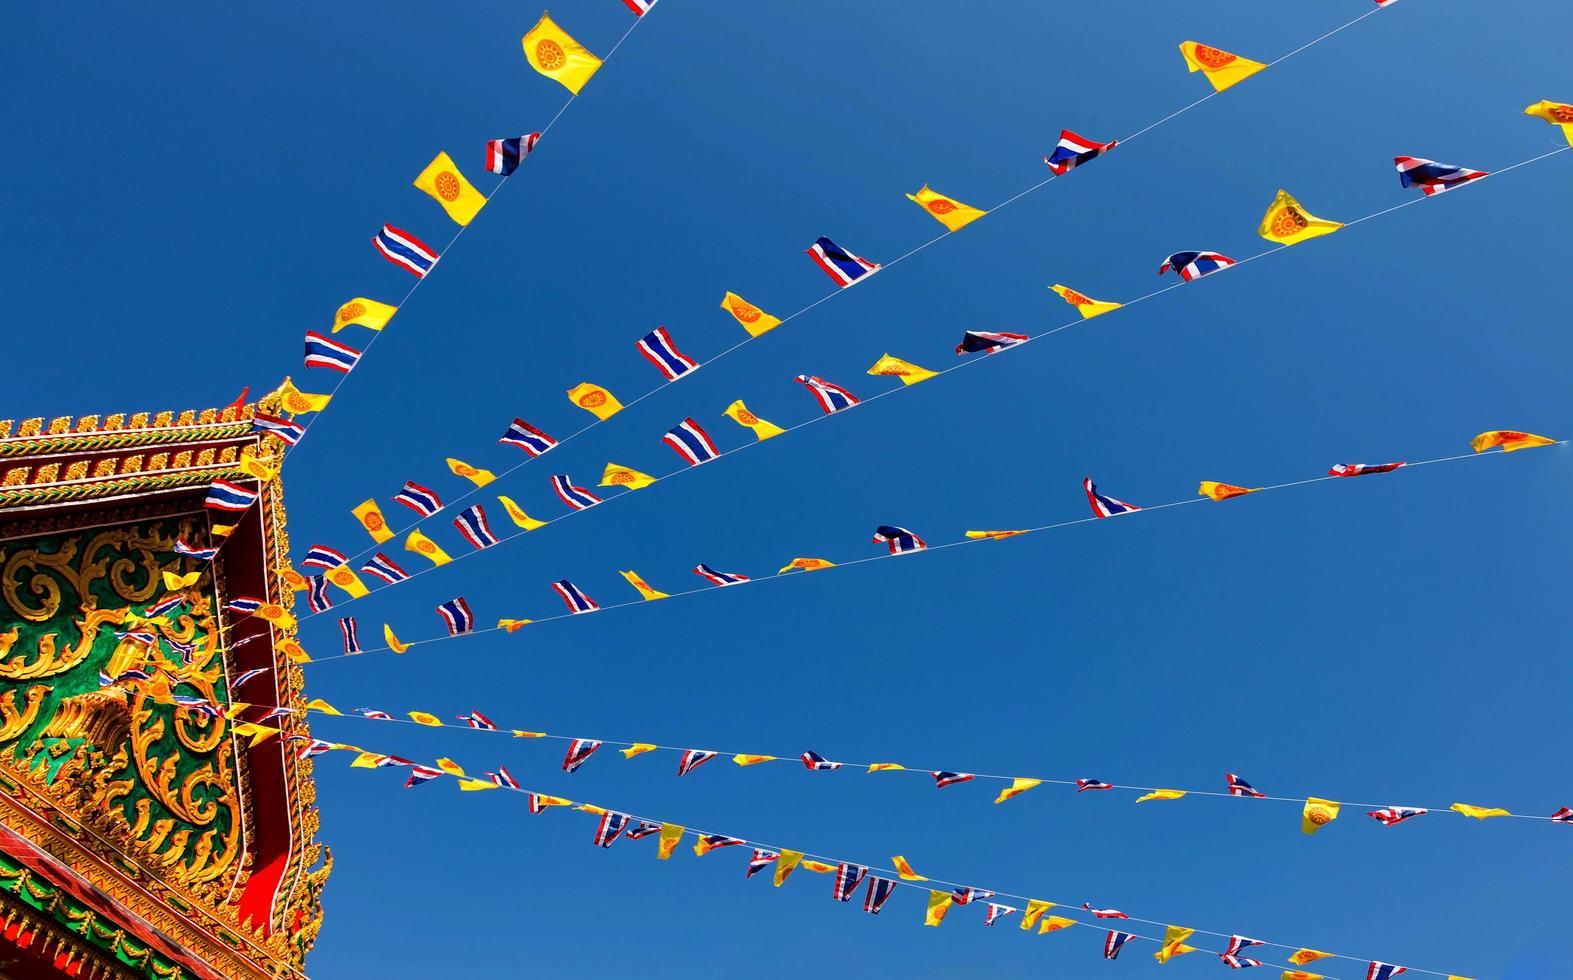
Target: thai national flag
761,860
421,774
1362,469
966,894
944,778
814,761
147,638
997,911
1239,944
325,353
164,605
1114,942
1102,504
1194,265
692,759
200,554
1234,962
1563,815
658,349
315,747
612,824
848,877
719,578
1074,151
576,497
839,264
1394,815
198,705
879,892
642,829
384,568
579,750
528,438
351,635
405,250
248,675
322,556
478,721
691,442
224,495
1239,787
272,425
1432,177
640,7
317,594
503,156
1383,971
373,714
472,524
575,598
900,540
1105,913
988,340
1083,785
419,499
456,613
831,397
502,777
242,604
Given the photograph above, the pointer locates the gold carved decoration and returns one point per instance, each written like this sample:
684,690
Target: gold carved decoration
14,721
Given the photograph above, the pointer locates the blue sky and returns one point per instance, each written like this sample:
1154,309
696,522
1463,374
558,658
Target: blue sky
185,197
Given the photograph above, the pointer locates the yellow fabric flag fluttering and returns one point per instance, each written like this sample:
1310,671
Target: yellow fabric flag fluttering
939,904
625,476
1085,305
323,707
276,614
174,583
422,545
1222,68
895,367
367,760
1174,938
946,210
671,833
518,516
447,186
347,580
294,580
1161,794
1223,491
1017,786
363,312
806,564
1035,909
294,651
885,766
739,413
784,865
426,718
1287,223
1479,812
450,767
1304,956
512,625
476,785
478,477
1306,975
1556,113
559,57
257,733
753,319
250,465
1055,923
638,748
370,517
904,869
1509,440
744,759
595,400
977,535
818,867
1317,814
297,402
644,587
393,641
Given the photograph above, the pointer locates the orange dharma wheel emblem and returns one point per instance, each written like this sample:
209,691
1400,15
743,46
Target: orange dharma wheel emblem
592,399
746,417
447,186
745,312
1212,57
1075,298
295,403
269,610
339,576
1562,113
1287,221
1319,815
621,478
941,206
464,469
350,311
549,55
425,547
373,522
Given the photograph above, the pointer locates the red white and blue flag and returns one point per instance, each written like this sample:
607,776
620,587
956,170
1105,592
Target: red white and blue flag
351,635
1234,962
421,774
574,597
1239,787
503,156
384,568
419,499
831,397
1362,469
243,604
373,714
943,778
642,829
478,721
502,777
879,892
719,577
200,554
576,497
1239,944
900,540
691,442
1105,913
289,432
471,523
240,679
1194,265
658,349
612,824
1083,785
990,341
456,613
1114,943
640,7
1073,151
761,860
848,877
1432,177
1563,815
1383,971
1394,815
579,750
232,497
314,747
814,761
324,353
966,894
163,606
839,264
317,594
997,911
713,841
322,556
528,438
405,251
1102,504
692,759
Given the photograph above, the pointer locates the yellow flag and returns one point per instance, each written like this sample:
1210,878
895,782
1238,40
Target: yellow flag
1556,113
818,867
671,833
367,760
1055,923
447,186
220,530
519,734
744,759
643,586
513,624
1305,975
1223,491
807,565
1161,794
975,535
885,766
235,708
1287,223
347,580
257,733
545,800
1017,786
1174,938
895,367
939,904
294,651
297,402
753,319
295,580
638,748
425,718
370,517
590,808
946,210
1317,814
904,869
250,465
473,785
175,583
450,767
1304,956
559,57
393,641
322,707
478,477
1035,909
519,517
784,865
1085,305
1223,69
595,400
426,547
1479,812
625,476
363,312
739,413
1509,440
276,614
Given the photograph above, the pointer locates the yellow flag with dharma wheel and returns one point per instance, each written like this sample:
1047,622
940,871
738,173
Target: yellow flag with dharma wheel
747,759
442,180
625,476
753,319
1161,794
806,564
645,589
946,210
1085,305
276,614
1221,68
1223,491
554,54
1018,786
1287,223
895,367
426,548
1317,814
1556,113
595,400
939,904
393,641
1509,440
739,413
518,516
479,477
370,517
297,402
363,312
347,580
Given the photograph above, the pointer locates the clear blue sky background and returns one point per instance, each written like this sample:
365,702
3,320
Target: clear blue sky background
186,194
